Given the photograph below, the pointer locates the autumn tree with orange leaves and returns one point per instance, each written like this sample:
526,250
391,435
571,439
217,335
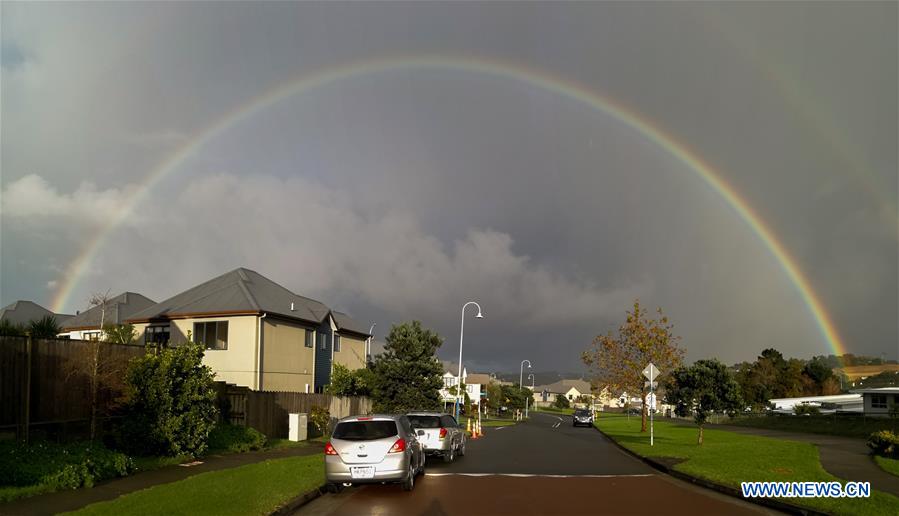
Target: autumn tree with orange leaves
617,362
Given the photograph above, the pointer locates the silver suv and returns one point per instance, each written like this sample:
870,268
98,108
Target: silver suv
376,448
443,435
582,417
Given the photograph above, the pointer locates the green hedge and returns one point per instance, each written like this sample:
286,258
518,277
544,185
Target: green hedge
884,444
232,438
49,466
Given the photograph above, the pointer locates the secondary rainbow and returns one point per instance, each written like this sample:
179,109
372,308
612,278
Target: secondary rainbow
515,72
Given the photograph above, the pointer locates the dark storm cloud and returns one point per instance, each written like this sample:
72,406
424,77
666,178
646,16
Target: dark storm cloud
402,195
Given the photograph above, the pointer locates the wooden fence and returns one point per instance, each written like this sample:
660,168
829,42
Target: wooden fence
267,411
45,383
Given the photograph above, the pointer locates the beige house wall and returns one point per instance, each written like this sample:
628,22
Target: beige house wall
352,353
287,363
237,364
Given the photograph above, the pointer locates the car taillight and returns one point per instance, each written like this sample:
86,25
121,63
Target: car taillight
329,450
398,446
443,433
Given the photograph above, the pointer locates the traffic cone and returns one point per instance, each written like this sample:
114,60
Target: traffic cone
480,432
468,428
474,430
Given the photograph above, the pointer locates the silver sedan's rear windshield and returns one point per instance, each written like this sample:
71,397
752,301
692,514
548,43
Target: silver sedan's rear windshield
364,430
425,421
581,413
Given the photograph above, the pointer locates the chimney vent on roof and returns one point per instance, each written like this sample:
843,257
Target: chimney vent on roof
292,309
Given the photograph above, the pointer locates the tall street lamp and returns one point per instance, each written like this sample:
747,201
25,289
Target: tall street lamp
530,396
462,334
368,343
521,372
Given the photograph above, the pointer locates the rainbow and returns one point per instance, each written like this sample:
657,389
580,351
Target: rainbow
515,72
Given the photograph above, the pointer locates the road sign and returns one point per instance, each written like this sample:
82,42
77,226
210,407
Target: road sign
650,372
651,385
651,400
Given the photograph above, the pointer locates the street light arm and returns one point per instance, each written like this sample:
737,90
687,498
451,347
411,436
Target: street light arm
461,335
521,372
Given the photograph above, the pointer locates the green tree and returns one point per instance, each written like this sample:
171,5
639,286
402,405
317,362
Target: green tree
171,404
44,328
515,398
561,401
8,328
407,374
701,389
120,333
494,396
358,382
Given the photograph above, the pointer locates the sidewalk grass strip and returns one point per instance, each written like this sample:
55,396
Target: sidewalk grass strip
889,465
252,489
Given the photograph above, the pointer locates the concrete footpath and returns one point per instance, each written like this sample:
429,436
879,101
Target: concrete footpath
62,501
845,457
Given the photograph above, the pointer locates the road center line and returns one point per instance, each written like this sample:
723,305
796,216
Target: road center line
529,475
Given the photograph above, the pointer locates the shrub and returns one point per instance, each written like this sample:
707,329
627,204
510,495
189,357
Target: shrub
805,409
234,438
321,418
884,443
55,466
561,401
171,405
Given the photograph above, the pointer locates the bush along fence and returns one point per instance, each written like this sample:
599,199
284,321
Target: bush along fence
267,411
59,388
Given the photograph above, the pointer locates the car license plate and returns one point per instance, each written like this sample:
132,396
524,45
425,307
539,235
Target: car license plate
363,472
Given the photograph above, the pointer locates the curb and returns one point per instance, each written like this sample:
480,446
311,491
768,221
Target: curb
714,486
298,502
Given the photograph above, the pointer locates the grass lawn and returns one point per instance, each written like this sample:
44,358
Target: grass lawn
888,465
847,426
253,489
729,458
554,410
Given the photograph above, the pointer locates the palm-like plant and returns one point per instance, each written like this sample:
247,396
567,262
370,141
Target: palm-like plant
45,328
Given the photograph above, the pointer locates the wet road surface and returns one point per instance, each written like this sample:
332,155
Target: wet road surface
544,466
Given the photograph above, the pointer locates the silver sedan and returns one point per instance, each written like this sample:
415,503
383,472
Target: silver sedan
376,448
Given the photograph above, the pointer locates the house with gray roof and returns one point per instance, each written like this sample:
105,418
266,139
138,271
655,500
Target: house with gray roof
257,333
23,312
86,325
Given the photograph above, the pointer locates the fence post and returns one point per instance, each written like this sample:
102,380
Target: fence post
27,387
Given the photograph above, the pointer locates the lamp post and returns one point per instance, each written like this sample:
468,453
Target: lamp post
368,343
527,402
521,372
462,334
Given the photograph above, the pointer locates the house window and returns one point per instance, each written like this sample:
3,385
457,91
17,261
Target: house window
878,401
336,343
90,335
323,341
310,339
214,335
156,335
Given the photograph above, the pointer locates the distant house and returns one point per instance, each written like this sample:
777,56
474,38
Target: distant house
257,333
475,386
23,312
86,325
545,395
879,402
825,404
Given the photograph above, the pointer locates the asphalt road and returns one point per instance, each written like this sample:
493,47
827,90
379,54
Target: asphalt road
544,466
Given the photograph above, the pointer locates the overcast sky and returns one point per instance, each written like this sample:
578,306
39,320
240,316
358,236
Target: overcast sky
401,194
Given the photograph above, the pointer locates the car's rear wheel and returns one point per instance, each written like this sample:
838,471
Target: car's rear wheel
334,487
409,482
449,455
462,449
